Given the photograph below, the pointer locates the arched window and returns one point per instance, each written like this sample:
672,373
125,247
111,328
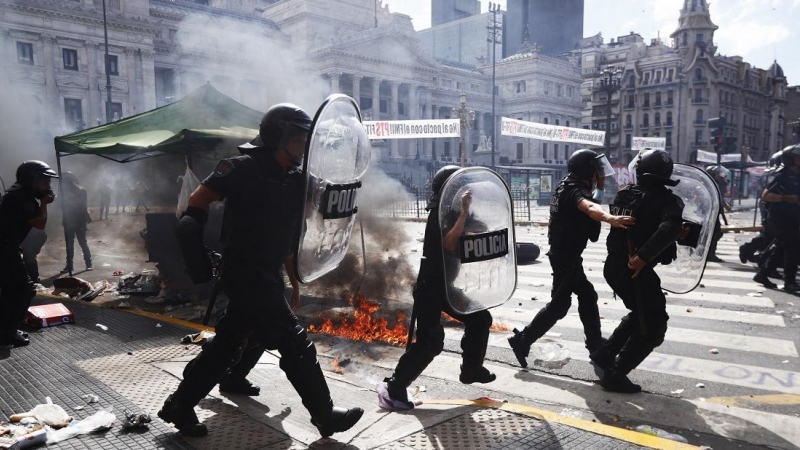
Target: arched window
699,117
646,120
658,118
698,74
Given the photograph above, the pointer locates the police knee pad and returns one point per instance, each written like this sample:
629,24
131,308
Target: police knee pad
479,319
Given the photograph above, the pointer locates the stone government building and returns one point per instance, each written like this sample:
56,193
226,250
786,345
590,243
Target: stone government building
53,53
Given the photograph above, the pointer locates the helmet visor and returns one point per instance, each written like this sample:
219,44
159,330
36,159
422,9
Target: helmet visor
604,167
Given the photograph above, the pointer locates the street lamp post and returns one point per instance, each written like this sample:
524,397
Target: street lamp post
681,79
494,30
109,117
467,119
610,82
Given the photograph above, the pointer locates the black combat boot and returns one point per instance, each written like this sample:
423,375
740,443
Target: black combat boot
239,386
340,419
521,348
602,357
615,381
476,374
183,417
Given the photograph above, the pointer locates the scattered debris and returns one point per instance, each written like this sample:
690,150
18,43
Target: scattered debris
106,265
139,284
754,294
779,312
550,355
688,310
43,316
78,408
796,316
785,361
134,420
537,284
40,288
653,431
101,326
123,304
700,385
48,414
714,351
117,273
552,334
702,285
567,412
790,303
101,420
198,338
519,310
158,325
677,392
90,398
635,406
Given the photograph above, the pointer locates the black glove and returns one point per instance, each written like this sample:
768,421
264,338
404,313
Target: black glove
195,254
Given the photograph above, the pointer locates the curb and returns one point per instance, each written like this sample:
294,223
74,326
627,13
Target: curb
634,437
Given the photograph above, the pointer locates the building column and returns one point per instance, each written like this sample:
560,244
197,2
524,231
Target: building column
180,83
427,146
413,114
95,112
357,89
335,89
394,109
148,90
140,76
376,99
436,142
51,90
133,88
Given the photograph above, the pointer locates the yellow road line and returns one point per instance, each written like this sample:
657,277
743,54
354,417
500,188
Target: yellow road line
172,320
775,399
634,437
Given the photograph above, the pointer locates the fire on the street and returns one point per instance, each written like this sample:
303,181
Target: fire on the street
496,326
364,326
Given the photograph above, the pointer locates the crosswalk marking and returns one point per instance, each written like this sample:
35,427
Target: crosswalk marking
710,339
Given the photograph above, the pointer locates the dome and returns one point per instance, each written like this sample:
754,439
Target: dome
776,71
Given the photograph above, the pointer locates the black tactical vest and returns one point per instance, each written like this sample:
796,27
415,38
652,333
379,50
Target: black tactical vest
569,229
644,205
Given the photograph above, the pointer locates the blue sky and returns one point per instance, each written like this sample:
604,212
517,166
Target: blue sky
759,31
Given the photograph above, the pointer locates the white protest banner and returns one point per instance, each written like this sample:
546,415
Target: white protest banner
711,157
641,143
532,130
413,129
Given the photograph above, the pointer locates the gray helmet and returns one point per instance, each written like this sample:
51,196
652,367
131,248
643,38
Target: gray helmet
438,183
655,167
29,171
278,124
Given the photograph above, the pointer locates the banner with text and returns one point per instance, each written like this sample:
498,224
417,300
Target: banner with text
711,157
532,130
413,129
641,143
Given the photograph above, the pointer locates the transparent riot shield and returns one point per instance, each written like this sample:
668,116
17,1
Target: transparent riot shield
337,156
701,198
480,261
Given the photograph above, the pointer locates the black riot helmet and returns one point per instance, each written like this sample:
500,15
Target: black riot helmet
585,163
438,183
788,154
655,167
30,171
775,159
278,124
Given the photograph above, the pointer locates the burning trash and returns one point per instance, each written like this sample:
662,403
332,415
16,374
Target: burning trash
364,326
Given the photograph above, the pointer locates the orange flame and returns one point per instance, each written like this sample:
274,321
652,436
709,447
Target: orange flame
496,326
363,326
336,367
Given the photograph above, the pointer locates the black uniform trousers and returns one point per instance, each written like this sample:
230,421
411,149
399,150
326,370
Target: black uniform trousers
31,247
77,231
257,314
16,291
568,278
430,300
787,239
644,328
712,249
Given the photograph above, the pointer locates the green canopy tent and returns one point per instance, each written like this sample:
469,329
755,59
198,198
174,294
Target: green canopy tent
198,122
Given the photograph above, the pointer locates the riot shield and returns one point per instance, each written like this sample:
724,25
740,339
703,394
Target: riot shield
480,265
337,156
701,198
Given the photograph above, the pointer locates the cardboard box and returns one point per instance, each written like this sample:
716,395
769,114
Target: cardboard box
49,315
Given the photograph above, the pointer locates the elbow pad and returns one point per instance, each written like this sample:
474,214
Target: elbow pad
195,255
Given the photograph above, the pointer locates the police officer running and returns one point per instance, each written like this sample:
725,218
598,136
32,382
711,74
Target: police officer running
24,207
430,300
263,189
575,217
753,250
629,268
783,221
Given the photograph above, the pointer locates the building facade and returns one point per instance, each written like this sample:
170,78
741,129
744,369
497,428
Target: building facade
444,11
555,26
464,41
264,52
792,130
672,90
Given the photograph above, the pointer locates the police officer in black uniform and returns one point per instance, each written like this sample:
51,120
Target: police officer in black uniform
720,176
430,299
783,221
575,217
629,268
263,189
24,207
753,250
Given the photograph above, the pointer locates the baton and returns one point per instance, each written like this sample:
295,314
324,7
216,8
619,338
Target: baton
215,290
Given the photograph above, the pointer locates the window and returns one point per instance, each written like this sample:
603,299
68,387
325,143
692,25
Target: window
446,149
658,98
698,74
700,37
646,120
519,151
116,111
669,118
647,78
113,65
558,122
73,113
559,90
669,138
24,53
628,121
555,151
384,106
646,100
568,124
699,116
544,151
628,141
520,87
70,58
173,34
658,118
685,38
698,137
566,152
546,120
570,92
401,109
670,100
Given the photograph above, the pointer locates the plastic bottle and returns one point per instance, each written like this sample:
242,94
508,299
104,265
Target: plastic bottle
653,431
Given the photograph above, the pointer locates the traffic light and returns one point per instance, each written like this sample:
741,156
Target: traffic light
730,145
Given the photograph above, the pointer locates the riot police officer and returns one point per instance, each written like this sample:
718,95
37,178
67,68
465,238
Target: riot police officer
430,299
24,207
783,221
629,268
720,176
575,217
757,245
263,189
